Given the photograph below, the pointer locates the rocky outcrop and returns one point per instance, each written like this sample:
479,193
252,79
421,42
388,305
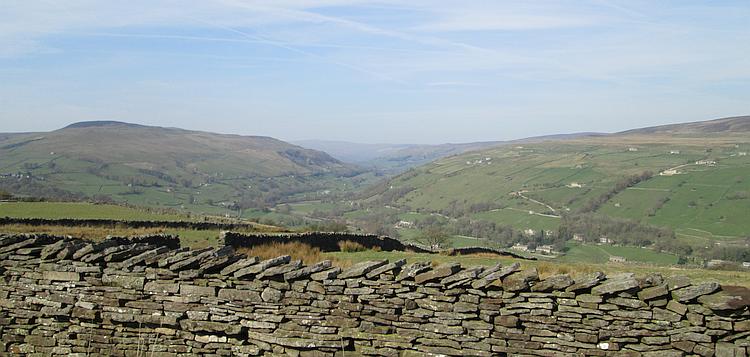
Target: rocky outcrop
63,296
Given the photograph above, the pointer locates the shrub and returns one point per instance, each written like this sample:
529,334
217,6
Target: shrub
350,247
739,195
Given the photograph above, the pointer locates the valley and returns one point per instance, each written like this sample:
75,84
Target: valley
675,194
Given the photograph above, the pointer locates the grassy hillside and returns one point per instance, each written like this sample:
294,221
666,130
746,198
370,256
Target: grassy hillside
692,181
168,167
722,126
397,158
82,210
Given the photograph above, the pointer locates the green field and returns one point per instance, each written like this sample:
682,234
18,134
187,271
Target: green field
58,210
519,218
410,235
599,254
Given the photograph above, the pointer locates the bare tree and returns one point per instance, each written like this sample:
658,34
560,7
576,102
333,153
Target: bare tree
434,237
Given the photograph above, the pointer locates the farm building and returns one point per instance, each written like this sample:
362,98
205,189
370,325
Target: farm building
520,247
578,237
575,185
715,263
605,240
706,162
546,249
617,259
404,224
670,172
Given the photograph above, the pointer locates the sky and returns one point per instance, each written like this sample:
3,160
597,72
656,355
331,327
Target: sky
374,71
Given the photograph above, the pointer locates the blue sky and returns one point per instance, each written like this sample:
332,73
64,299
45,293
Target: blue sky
374,71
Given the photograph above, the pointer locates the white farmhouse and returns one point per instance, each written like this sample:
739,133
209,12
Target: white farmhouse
520,247
405,224
546,249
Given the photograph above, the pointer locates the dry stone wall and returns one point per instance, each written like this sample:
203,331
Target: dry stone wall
325,241
98,222
62,296
329,242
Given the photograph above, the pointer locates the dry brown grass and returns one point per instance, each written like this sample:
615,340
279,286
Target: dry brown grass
547,269
309,255
85,232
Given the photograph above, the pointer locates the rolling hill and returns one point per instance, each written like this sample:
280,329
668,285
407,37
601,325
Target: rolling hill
158,166
693,179
397,158
729,125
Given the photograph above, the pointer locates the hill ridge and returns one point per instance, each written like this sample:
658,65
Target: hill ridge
103,123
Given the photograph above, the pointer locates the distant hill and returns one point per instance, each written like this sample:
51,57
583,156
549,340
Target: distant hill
396,158
390,158
731,125
162,166
352,152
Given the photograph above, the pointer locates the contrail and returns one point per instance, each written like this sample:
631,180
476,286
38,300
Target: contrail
297,50
315,17
245,40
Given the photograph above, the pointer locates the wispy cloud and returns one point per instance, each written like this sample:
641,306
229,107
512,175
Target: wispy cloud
366,59
453,84
510,16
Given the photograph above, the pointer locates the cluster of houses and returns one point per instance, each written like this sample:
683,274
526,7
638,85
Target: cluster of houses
404,224
669,172
706,162
486,160
542,249
602,240
715,263
16,175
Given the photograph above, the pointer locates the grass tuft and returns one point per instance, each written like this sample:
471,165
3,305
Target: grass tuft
351,247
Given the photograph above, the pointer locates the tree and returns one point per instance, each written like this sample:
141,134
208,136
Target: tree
284,209
434,237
